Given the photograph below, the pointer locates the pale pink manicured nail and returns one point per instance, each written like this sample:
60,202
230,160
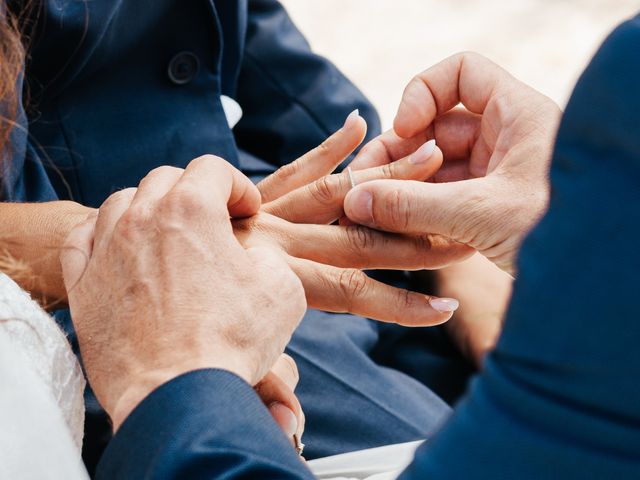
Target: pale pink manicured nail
444,305
423,153
284,417
351,119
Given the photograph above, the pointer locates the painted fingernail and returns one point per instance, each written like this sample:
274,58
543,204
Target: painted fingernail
444,305
423,153
351,119
361,207
284,417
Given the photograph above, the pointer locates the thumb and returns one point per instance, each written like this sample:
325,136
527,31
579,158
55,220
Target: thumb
77,250
453,209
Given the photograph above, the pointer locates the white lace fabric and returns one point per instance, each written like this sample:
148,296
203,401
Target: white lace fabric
41,392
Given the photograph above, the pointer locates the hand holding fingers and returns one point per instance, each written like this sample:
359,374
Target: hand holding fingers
322,201
318,162
489,215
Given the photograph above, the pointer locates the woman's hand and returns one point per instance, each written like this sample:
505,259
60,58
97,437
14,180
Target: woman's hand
31,236
301,200
493,185
276,390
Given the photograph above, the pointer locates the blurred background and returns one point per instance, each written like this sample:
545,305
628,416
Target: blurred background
381,44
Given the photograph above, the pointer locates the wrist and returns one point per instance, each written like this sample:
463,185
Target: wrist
139,386
68,215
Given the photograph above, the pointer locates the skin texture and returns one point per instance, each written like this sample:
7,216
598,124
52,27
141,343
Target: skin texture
141,273
296,218
490,191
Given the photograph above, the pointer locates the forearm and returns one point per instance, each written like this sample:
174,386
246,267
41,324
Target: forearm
31,236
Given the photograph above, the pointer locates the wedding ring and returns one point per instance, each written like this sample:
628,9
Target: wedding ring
352,179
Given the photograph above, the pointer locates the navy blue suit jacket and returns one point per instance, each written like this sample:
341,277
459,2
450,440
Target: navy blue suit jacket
118,88
560,395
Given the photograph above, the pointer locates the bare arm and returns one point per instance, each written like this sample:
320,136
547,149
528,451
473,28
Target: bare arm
31,235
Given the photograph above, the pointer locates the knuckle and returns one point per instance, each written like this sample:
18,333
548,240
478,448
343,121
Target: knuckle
353,284
208,158
398,212
117,197
387,170
164,170
289,170
360,239
325,148
181,204
323,190
404,300
131,222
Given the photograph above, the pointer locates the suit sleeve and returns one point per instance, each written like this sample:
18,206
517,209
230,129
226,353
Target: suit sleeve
292,99
204,425
560,395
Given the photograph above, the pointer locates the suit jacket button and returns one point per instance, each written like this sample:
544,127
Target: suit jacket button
183,67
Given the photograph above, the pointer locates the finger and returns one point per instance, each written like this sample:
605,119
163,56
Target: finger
386,148
287,370
455,131
318,162
351,291
465,78
357,246
156,184
322,201
110,213
449,209
282,403
76,251
209,191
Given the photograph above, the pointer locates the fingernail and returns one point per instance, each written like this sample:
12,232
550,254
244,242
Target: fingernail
284,417
444,305
423,153
360,207
351,119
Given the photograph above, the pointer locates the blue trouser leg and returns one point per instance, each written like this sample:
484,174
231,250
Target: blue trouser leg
350,401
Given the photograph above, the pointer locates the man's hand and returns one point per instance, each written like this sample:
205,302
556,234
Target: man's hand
493,186
159,286
302,199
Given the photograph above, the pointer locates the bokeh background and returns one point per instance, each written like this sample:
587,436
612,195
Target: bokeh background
381,44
